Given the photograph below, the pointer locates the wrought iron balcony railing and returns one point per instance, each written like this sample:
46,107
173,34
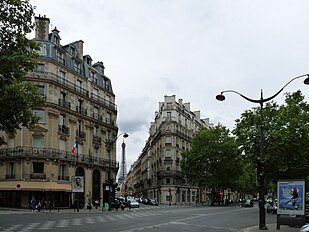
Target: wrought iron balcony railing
50,153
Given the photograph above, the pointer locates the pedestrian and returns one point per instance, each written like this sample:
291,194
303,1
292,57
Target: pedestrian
33,203
46,205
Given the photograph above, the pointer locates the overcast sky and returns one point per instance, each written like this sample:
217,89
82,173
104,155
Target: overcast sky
193,49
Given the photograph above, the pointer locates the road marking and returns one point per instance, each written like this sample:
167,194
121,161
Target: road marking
89,220
76,222
111,218
100,219
47,225
30,227
63,223
12,228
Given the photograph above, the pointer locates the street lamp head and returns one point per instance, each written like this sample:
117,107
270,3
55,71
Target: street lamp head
220,97
125,135
306,81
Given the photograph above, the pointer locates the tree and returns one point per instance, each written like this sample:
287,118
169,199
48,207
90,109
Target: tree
286,132
214,159
18,56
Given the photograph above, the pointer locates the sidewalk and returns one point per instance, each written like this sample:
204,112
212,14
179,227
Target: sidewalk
271,228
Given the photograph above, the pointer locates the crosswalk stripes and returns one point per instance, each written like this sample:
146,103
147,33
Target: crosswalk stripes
29,227
78,221
47,225
129,215
89,220
63,223
101,219
13,228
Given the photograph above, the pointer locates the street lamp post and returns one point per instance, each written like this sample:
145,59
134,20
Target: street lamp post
261,101
109,146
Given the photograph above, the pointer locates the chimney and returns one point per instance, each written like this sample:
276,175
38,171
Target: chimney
42,27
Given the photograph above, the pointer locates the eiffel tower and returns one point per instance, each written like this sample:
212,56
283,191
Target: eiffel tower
123,167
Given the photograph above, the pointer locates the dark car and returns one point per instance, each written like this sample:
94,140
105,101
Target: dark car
247,203
152,202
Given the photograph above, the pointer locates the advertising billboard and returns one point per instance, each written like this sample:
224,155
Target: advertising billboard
77,184
291,197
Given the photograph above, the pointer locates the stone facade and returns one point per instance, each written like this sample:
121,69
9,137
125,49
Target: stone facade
80,109
157,173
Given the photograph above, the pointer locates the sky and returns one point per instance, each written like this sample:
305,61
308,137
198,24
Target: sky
193,49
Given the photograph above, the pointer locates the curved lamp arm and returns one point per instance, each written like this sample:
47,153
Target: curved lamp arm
110,142
221,97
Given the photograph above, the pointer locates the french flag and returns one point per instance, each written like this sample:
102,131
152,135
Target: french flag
75,146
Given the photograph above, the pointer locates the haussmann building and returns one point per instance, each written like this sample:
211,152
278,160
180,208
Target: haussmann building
79,113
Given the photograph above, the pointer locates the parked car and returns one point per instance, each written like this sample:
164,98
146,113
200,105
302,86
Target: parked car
304,228
133,203
246,203
152,202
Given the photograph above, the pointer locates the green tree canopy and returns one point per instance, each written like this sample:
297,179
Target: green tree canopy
286,132
214,159
18,56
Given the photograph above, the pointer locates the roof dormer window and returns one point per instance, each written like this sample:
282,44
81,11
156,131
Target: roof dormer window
73,51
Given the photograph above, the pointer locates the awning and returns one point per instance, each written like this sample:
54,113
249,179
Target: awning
35,186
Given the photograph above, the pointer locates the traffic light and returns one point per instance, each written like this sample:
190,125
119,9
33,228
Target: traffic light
260,169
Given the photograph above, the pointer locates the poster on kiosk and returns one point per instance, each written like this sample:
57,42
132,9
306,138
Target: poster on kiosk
291,197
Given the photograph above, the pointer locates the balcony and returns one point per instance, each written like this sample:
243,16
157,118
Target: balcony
96,139
103,101
23,152
96,116
38,176
62,129
80,134
9,176
81,110
64,103
66,178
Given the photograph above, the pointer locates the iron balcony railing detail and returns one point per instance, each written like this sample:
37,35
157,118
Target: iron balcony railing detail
50,153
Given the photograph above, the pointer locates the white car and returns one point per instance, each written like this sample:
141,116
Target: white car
304,228
133,203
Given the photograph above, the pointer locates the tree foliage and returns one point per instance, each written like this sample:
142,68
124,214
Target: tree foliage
214,159
286,132
18,56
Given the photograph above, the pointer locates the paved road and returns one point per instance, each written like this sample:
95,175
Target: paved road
146,218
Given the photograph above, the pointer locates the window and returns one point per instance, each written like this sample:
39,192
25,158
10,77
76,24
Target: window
168,141
41,90
62,172
62,145
92,76
108,118
96,131
79,85
77,67
96,113
60,57
61,120
56,40
10,171
38,167
41,68
62,77
38,141
168,115
95,94
41,114
72,51
168,153
168,180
